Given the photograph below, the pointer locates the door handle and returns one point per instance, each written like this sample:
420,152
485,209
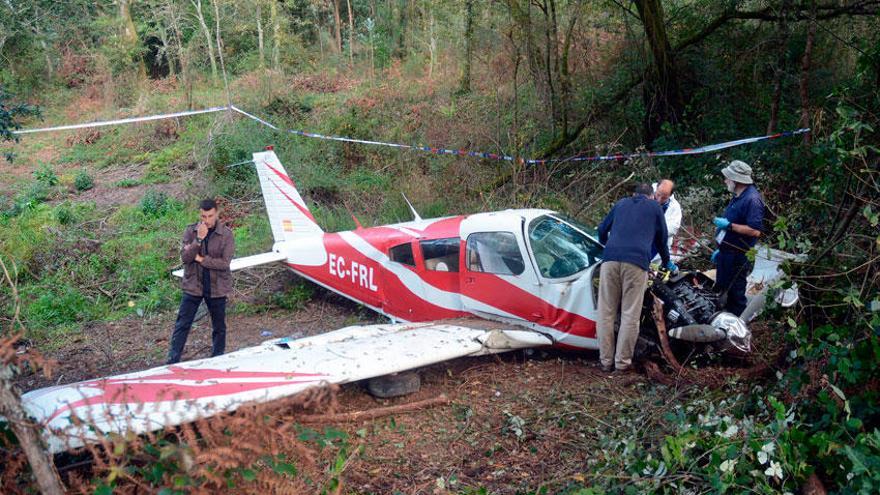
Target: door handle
469,280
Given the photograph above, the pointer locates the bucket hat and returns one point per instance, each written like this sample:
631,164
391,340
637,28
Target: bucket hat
738,171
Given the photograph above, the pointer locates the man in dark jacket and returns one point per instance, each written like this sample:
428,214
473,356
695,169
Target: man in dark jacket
738,231
206,251
629,231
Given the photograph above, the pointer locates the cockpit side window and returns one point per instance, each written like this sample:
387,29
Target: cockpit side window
403,254
494,252
561,250
441,255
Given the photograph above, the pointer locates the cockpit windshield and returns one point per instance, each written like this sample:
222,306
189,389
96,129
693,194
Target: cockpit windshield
560,249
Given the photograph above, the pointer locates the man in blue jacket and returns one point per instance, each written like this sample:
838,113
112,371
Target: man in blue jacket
629,231
738,231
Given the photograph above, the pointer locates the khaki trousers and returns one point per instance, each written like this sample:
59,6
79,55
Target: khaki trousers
621,292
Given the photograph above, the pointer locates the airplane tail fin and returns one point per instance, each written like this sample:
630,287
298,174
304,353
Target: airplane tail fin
288,213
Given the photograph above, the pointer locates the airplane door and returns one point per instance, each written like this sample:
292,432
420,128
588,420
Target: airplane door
496,279
421,280
567,261
572,305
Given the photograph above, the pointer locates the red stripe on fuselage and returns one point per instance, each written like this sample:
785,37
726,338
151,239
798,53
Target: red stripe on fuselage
384,238
391,297
443,228
505,296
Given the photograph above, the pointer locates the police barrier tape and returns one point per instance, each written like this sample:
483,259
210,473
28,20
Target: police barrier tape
493,156
122,121
440,151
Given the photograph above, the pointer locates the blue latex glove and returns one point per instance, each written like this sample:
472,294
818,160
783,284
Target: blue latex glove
672,267
721,222
714,257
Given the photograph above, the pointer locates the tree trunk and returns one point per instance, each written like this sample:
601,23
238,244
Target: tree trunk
337,24
372,56
432,45
665,103
318,32
464,85
276,36
41,463
350,34
564,75
129,34
805,76
553,63
778,71
166,47
260,44
182,58
50,67
220,49
207,32
400,50
541,55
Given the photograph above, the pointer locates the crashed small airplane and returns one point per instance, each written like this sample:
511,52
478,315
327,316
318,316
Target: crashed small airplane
455,286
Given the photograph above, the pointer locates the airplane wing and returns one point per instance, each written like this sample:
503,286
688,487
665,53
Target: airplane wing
246,262
175,394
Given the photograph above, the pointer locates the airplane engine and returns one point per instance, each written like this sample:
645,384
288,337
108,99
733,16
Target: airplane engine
694,316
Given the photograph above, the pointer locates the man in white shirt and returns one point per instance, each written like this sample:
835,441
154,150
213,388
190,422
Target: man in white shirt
671,207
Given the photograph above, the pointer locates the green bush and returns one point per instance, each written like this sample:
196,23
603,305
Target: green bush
55,304
154,203
294,297
162,295
25,235
45,175
32,195
83,181
128,183
64,214
8,207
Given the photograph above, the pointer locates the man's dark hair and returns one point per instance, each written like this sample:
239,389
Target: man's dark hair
207,204
644,189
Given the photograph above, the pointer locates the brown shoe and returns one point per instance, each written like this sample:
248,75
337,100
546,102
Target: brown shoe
607,368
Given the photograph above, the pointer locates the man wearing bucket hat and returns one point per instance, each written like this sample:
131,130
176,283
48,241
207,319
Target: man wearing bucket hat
738,231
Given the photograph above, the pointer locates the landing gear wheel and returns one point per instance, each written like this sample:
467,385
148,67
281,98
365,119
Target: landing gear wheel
394,385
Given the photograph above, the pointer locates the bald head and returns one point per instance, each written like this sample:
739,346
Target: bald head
664,191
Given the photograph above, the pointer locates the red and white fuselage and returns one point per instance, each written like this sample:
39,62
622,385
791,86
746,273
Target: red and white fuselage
502,265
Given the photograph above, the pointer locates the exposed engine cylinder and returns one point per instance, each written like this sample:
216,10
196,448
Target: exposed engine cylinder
688,299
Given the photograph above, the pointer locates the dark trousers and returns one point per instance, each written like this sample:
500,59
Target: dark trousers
732,269
189,304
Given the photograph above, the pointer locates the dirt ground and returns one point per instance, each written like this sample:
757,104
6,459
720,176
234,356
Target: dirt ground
514,423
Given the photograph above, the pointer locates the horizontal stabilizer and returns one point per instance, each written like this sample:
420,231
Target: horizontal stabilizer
175,394
247,262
